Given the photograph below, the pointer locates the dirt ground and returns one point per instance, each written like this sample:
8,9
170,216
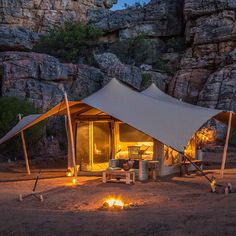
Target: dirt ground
169,206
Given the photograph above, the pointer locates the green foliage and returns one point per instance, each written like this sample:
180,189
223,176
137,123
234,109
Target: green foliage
134,43
132,50
66,43
146,80
176,43
161,64
10,107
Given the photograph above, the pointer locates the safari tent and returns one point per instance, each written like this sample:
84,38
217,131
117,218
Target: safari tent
115,121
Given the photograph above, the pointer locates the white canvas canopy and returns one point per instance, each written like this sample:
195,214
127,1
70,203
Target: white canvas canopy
166,119
225,117
16,129
28,121
154,92
169,122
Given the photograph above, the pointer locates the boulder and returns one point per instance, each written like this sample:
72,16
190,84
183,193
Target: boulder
220,89
42,78
17,38
157,18
187,84
113,67
161,80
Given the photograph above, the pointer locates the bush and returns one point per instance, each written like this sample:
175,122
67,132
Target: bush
10,107
66,43
146,80
176,43
161,63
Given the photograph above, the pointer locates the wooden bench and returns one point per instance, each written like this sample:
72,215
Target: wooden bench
109,175
184,165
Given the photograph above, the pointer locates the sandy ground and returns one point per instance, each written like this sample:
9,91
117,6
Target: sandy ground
169,206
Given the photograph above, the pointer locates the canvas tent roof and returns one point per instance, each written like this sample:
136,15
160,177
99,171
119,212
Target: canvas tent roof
28,121
154,92
167,121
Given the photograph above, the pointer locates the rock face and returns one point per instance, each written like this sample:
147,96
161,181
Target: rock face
17,38
157,18
188,48
113,67
206,74
42,78
44,15
220,89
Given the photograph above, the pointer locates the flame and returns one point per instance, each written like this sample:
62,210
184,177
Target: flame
68,174
114,203
74,181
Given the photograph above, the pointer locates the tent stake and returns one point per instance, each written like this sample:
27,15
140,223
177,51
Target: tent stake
71,136
24,149
226,145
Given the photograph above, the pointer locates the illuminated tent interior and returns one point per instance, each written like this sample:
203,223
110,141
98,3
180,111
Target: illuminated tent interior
118,122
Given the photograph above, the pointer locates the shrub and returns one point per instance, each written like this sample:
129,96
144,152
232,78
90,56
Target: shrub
10,107
176,43
66,42
146,80
161,64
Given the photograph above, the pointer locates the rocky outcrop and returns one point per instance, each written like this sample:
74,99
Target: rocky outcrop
220,89
188,83
17,38
160,79
188,48
205,74
197,8
113,67
42,78
44,15
157,18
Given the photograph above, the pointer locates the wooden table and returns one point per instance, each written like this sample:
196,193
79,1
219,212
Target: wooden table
109,175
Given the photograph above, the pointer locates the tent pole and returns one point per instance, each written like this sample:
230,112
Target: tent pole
71,136
24,149
226,145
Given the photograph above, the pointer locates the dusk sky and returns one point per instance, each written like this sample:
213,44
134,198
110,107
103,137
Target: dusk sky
120,4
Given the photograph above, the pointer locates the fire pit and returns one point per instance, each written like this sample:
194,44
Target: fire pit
113,203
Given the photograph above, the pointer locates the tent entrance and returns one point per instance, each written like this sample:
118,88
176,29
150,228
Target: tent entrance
93,145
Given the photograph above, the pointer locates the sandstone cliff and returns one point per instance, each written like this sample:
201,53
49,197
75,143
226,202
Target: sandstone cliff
188,49
206,74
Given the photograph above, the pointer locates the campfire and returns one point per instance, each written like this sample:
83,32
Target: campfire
113,203
116,203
